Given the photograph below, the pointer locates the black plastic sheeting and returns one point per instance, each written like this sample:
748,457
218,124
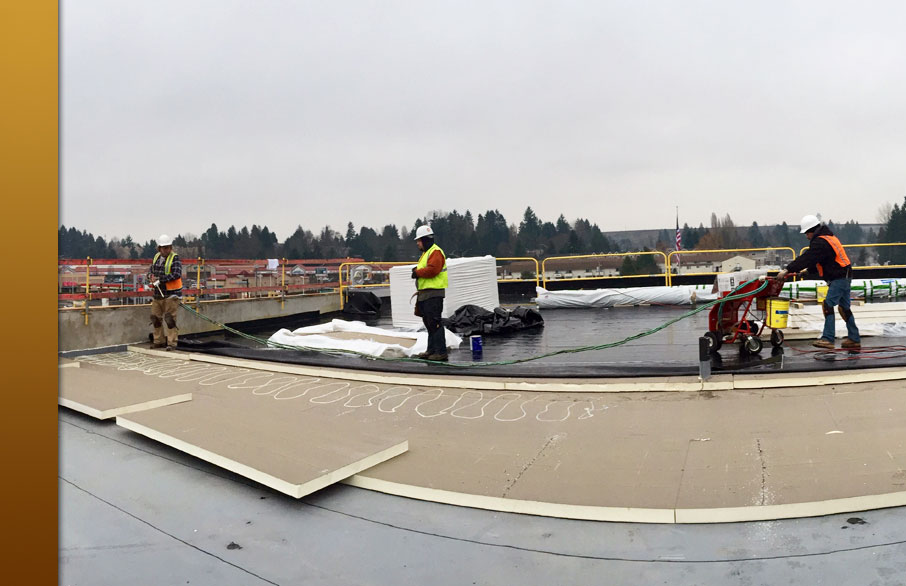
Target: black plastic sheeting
362,304
669,351
470,320
780,360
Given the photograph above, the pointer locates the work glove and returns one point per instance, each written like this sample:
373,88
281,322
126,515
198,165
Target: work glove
156,283
414,276
782,274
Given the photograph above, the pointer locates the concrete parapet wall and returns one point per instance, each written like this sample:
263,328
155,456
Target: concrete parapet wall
127,324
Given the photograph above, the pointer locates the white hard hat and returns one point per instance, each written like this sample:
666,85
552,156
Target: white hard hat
809,222
423,231
164,240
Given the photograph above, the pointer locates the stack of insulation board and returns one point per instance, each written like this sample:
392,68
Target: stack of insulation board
867,289
873,319
471,281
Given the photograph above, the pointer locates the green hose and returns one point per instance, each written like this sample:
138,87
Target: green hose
667,324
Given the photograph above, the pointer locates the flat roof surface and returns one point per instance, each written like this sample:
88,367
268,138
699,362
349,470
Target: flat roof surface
135,511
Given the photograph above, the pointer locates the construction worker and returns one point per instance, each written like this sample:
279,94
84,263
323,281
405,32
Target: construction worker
825,256
166,282
430,276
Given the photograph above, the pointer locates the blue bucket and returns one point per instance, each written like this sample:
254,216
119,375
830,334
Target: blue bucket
476,344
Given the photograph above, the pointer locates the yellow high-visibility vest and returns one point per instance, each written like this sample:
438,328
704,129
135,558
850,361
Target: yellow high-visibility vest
168,264
438,281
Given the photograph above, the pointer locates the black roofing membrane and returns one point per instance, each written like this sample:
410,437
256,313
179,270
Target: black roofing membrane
672,351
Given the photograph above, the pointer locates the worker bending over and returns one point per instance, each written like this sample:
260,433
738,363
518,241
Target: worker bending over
825,256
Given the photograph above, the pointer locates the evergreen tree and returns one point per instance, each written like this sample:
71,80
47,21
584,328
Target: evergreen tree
894,231
368,243
230,243
492,232
268,243
755,237
691,236
573,246
149,249
645,264
781,236
212,240
628,267
530,230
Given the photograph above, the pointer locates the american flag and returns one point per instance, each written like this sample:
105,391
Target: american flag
679,239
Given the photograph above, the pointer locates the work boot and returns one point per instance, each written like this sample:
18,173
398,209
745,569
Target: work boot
438,357
158,344
847,343
823,343
422,355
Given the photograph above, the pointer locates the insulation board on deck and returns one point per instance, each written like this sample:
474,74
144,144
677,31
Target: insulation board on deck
296,452
103,394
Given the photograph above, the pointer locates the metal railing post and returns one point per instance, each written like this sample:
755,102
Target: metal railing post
283,283
87,288
198,284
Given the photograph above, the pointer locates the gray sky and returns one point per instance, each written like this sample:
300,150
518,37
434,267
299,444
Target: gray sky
179,113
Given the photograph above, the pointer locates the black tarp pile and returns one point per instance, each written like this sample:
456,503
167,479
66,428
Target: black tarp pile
470,320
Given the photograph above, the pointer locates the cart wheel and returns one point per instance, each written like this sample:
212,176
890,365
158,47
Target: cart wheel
752,345
714,341
777,338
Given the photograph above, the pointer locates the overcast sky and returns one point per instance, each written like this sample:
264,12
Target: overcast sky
179,113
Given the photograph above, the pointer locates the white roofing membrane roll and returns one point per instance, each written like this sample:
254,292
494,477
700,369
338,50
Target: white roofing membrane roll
679,295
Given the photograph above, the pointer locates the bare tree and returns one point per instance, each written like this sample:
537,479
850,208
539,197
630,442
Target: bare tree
884,213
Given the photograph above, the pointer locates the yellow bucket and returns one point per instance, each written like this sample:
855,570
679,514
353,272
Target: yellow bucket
821,292
778,312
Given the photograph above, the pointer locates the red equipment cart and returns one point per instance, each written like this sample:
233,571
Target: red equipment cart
736,319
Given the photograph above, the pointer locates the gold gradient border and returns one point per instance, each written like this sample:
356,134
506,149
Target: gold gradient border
29,180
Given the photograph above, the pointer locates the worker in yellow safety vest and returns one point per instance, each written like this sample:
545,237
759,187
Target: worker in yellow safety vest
825,256
165,278
430,276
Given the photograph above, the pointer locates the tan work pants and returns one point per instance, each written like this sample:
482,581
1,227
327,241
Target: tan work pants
164,310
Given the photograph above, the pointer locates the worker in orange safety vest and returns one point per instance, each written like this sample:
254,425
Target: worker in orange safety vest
826,257
165,278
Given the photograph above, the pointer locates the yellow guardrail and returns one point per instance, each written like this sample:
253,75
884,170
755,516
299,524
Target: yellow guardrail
348,266
345,269
804,248
665,274
520,280
716,251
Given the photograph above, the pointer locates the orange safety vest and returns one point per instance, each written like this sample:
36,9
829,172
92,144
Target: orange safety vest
841,258
168,264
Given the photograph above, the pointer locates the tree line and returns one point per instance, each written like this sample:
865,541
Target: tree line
462,235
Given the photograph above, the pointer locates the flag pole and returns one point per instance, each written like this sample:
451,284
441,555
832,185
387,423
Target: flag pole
679,240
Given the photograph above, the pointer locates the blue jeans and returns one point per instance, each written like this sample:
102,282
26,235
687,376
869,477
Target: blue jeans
838,294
